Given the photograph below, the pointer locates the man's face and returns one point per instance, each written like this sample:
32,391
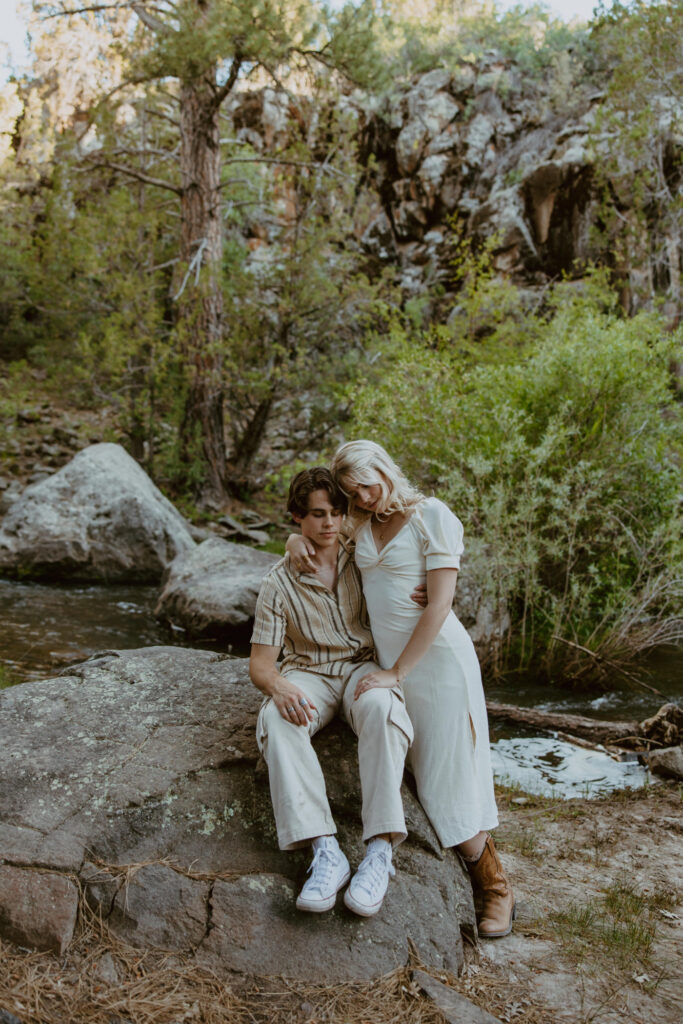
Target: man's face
322,522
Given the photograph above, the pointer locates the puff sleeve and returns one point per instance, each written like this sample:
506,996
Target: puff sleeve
442,534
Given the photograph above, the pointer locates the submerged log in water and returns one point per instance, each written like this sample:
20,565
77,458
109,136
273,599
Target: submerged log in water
663,729
577,725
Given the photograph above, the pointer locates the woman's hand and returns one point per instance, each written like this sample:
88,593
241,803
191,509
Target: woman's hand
380,677
300,552
292,703
419,595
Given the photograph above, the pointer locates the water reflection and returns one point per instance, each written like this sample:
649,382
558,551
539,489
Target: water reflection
44,627
662,669
551,767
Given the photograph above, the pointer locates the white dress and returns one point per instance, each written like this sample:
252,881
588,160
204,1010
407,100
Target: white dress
450,756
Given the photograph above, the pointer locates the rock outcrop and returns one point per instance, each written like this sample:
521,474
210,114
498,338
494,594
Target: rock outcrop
486,621
212,589
474,147
486,151
135,777
99,518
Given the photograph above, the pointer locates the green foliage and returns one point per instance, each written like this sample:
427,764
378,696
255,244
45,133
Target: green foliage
85,292
295,306
491,322
275,547
562,465
636,137
437,35
15,388
7,678
186,39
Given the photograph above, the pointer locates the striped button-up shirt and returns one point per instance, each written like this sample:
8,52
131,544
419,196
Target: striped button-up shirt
317,629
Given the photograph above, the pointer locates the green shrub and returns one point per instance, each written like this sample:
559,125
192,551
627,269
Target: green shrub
564,467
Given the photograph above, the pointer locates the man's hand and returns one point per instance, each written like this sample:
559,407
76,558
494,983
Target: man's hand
380,677
291,702
419,595
301,552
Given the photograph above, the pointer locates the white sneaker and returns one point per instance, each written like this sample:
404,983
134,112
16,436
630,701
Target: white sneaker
329,872
369,884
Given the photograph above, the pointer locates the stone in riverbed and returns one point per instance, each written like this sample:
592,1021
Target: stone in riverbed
667,762
99,518
8,1018
212,590
149,758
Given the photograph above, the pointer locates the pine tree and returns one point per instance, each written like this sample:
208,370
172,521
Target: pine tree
199,52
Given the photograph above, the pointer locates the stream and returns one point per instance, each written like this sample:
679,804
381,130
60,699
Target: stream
45,627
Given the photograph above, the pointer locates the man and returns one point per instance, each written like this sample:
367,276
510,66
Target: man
320,623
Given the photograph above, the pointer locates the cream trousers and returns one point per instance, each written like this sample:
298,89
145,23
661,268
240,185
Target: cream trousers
297,786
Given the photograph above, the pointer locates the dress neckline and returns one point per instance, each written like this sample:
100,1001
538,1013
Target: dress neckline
380,552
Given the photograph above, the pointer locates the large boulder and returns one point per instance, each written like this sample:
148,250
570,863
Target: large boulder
138,774
212,589
99,518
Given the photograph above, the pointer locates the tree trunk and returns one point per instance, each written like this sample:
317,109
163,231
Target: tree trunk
246,447
197,286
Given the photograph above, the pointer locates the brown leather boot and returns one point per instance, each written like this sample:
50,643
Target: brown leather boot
492,890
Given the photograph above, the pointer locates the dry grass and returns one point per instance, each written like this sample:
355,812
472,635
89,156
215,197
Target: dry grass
160,987
152,988
102,980
163,988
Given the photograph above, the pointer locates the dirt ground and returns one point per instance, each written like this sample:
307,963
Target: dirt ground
599,887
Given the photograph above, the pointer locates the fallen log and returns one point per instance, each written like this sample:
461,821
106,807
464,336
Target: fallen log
589,728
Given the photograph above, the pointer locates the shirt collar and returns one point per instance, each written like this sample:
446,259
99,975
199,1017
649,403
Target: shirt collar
343,556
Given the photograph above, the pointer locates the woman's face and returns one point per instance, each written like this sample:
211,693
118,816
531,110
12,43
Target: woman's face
365,496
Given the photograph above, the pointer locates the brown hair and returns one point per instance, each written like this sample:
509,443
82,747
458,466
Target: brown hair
308,480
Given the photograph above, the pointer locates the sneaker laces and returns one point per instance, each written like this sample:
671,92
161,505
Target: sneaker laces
323,864
372,871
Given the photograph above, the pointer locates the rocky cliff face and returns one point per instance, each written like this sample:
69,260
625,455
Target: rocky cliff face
485,152
474,152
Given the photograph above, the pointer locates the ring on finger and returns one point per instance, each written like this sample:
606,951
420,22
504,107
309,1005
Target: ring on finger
291,709
303,702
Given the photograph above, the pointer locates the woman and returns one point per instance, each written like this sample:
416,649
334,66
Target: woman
401,538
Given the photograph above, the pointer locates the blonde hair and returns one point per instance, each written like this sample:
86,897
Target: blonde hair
367,463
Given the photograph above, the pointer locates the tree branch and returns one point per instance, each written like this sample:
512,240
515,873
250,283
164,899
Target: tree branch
226,88
164,117
139,175
287,163
163,154
65,12
148,19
